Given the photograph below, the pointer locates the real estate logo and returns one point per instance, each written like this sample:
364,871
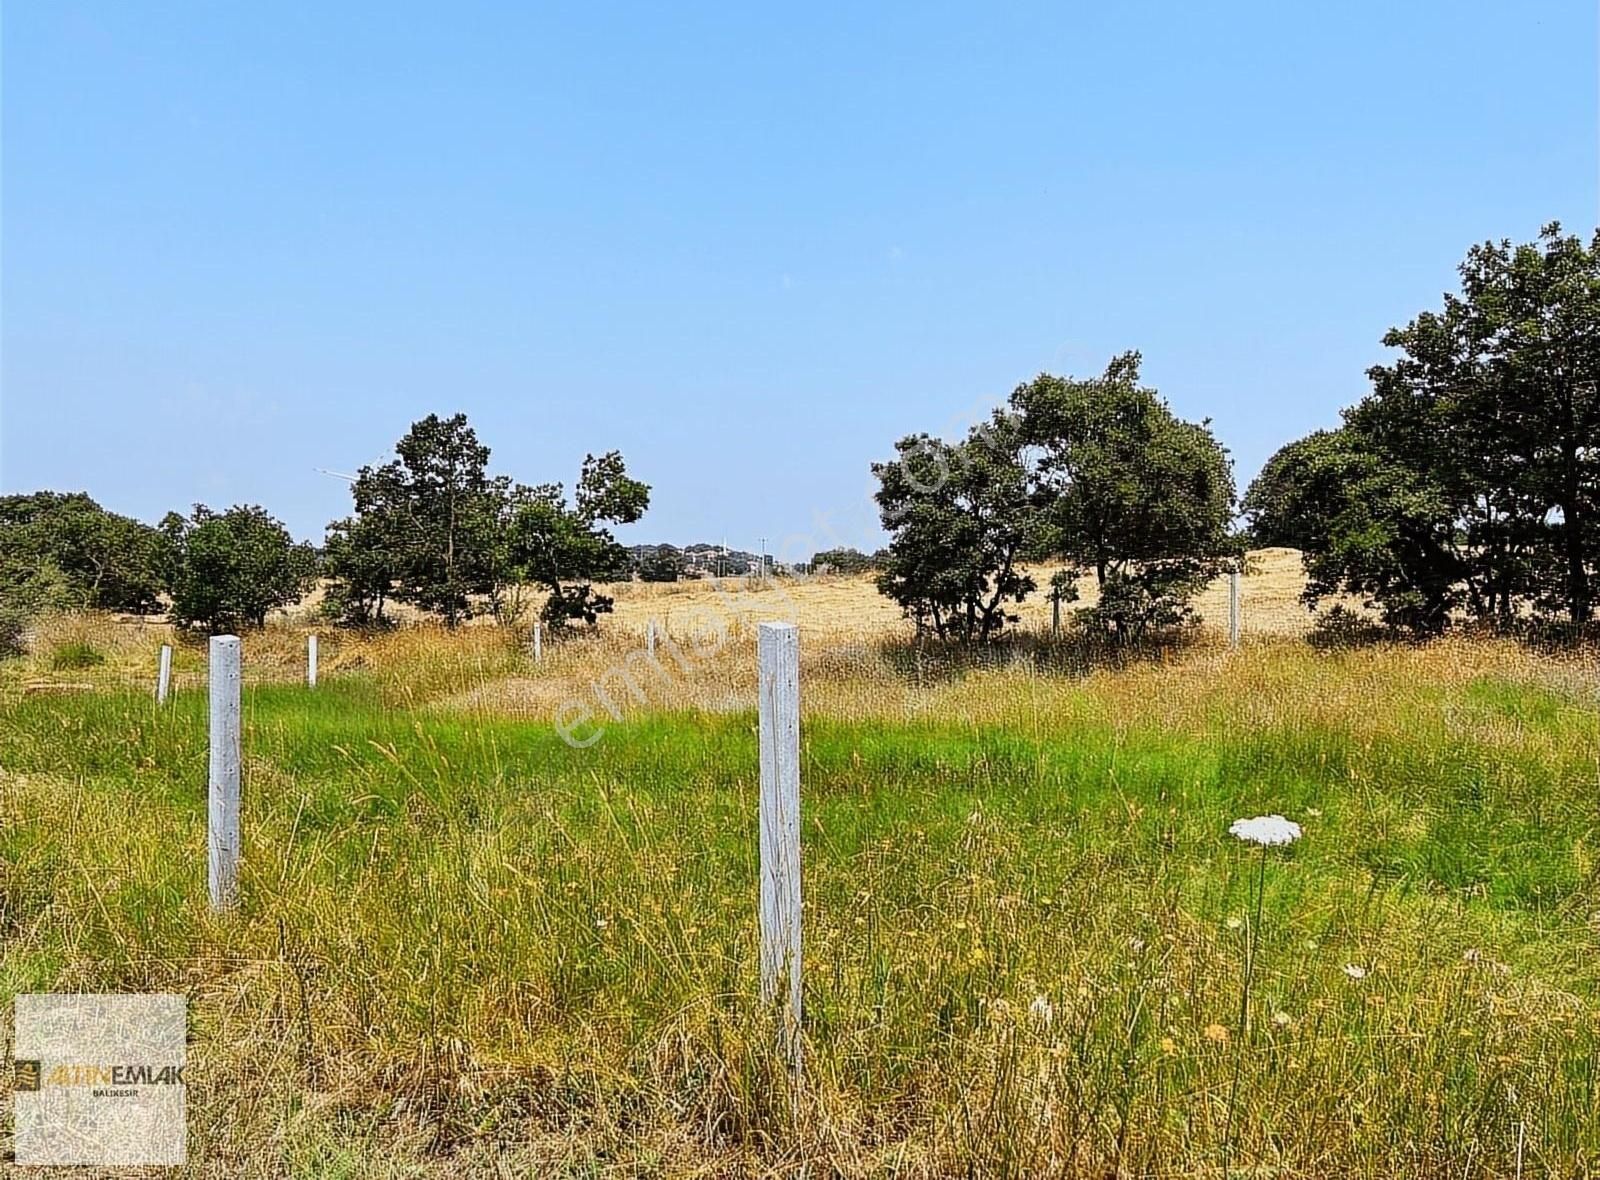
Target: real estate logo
99,1079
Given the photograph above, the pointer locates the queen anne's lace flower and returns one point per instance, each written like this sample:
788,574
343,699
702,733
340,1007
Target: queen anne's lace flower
1268,830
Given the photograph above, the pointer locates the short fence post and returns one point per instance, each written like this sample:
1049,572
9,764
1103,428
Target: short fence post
1055,613
538,643
1233,608
222,831
311,661
650,637
778,659
164,674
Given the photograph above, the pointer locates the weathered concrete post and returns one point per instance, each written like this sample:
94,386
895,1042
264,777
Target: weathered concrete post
778,659
1233,608
223,810
164,674
311,661
538,641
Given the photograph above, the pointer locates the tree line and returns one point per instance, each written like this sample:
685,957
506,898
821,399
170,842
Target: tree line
1466,483
1464,486
431,529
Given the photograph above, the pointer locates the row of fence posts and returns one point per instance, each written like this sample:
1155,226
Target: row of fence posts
778,664
778,681
164,669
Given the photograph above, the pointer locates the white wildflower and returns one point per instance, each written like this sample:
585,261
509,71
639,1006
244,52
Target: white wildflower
1042,1010
1267,830
1354,972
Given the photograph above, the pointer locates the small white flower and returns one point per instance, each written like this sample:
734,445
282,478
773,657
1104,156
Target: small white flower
1042,1010
1234,923
1266,830
1354,972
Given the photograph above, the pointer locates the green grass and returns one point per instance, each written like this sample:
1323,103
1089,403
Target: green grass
75,655
460,939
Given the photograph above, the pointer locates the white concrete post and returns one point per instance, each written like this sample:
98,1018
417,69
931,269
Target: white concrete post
650,637
778,658
538,641
164,674
223,811
1233,608
311,661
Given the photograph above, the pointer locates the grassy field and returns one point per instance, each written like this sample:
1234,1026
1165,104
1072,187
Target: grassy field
465,947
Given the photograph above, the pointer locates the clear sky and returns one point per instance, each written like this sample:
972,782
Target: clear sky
747,247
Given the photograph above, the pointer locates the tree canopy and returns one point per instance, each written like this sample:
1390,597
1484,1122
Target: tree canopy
432,528
231,568
1135,496
105,561
963,515
1468,480
1096,472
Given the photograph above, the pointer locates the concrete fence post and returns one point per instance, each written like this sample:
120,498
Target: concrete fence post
538,641
164,674
778,660
311,661
1233,608
222,829
650,637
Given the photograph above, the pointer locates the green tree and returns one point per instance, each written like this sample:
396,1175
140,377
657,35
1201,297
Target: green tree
1275,504
1366,526
432,528
1495,402
664,564
361,566
425,528
843,561
231,568
1468,480
1136,496
564,548
962,516
104,561
29,587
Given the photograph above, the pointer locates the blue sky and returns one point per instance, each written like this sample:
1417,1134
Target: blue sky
747,248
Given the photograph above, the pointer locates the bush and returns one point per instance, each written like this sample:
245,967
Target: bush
27,590
76,654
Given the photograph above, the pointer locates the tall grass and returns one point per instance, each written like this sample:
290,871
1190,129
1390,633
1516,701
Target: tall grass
463,944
